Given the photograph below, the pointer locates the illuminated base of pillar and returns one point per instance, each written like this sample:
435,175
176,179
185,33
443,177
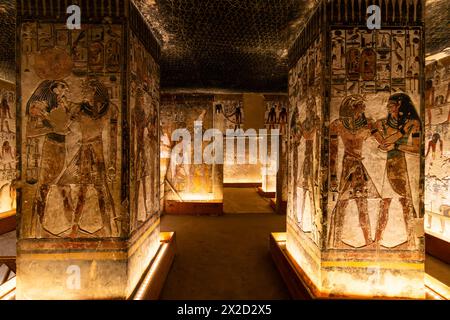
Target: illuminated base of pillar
265,194
281,209
152,282
301,287
149,286
85,268
7,221
194,208
242,185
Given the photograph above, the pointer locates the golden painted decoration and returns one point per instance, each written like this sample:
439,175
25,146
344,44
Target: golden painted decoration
53,64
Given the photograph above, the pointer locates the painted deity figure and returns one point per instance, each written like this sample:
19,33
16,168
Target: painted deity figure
294,146
282,119
5,114
401,132
88,167
7,156
48,118
141,169
272,117
153,130
432,145
238,116
353,128
307,130
429,99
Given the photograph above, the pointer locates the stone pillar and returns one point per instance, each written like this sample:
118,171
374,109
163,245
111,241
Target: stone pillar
88,145
7,143
276,117
437,169
355,202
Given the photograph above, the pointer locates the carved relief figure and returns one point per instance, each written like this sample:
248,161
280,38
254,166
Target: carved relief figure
71,132
401,132
308,130
353,128
48,113
8,143
89,168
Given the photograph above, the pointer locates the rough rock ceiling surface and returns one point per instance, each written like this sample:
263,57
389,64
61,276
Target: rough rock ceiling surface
229,44
232,44
7,41
437,24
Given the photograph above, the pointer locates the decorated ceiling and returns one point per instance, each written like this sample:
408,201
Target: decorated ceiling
228,44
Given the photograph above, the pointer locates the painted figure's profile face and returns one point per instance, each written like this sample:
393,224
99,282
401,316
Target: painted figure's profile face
88,94
359,109
61,89
393,108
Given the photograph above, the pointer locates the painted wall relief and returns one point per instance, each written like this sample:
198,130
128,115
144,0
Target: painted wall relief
8,147
232,110
375,140
437,145
305,117
70,82
276,117
192,181
230,115
145,128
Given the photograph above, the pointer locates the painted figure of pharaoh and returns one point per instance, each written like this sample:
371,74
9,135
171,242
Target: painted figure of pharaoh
143,123
88,168
153,137
308,130
294,144
48,118
282,119
353,128
401,133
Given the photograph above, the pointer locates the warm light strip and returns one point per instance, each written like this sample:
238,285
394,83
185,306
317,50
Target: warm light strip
7,214
279,236
150,275
310,251
435,286
75,256
434,295
372,264
358,264
7,288
147,233
10,296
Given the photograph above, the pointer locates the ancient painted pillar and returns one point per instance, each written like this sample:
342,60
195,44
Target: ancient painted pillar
8,146
88,145
437,152
193,184
355,201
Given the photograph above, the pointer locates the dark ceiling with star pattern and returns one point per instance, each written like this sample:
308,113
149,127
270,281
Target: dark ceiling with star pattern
227,44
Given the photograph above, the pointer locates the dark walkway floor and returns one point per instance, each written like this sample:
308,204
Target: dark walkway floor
224,257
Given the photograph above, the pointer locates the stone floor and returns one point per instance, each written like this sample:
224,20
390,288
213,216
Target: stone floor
225,257
244,200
